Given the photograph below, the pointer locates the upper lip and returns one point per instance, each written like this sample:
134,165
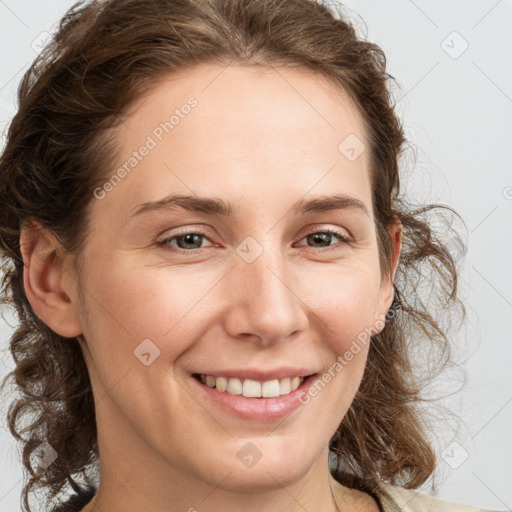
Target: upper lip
257,374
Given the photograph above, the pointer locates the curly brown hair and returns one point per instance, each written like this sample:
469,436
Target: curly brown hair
61,143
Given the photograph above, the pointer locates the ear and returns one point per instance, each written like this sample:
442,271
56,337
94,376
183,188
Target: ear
49,284
387,291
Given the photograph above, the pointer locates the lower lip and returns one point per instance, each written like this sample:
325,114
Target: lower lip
261,409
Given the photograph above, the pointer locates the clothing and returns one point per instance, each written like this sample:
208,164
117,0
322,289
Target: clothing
390,498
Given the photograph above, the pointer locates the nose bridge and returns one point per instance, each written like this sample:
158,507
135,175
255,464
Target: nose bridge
265,303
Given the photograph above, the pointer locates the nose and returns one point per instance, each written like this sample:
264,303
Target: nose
264,304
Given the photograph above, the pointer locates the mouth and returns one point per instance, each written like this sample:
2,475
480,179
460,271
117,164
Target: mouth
251,388
251,399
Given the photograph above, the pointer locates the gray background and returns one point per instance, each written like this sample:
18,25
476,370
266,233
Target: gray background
456,103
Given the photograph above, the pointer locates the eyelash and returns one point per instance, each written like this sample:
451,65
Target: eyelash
345,240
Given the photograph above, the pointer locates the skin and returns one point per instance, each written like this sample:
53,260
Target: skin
261,139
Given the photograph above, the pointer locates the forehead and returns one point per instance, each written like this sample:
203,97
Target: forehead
242,127
273,96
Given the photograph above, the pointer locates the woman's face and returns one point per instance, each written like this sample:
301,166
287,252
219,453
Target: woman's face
174,290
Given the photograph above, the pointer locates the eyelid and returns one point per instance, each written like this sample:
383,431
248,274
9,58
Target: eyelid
182,232
346,239
337,230
342,234
200,230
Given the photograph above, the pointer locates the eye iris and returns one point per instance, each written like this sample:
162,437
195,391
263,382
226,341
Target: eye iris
191,239
325,238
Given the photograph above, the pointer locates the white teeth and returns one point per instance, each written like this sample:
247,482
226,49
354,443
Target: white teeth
270,388
252,388
234,386
221,384
285,386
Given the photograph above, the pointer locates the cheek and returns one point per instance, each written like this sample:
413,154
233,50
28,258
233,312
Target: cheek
143,302
126,307
347,306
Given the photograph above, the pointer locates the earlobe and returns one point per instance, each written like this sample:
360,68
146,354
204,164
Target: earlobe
44,267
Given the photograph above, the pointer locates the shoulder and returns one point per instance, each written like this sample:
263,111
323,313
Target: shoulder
394,498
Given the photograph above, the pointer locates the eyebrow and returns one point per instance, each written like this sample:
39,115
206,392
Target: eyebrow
214,206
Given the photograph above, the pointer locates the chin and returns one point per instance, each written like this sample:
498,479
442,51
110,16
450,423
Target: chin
263,479
276,467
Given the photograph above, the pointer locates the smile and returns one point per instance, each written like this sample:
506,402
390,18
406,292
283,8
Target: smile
252,388
251,399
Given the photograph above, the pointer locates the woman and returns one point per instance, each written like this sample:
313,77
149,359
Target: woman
215,275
